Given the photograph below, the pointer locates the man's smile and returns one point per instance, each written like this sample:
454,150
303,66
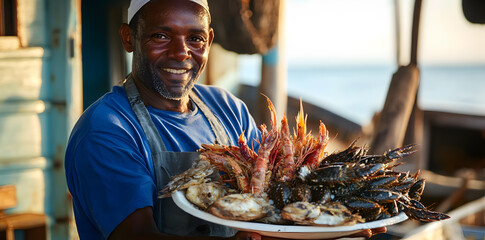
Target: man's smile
175,71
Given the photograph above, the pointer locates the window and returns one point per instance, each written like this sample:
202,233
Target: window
8,17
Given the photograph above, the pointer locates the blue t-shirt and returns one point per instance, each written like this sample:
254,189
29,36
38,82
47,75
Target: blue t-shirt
108,163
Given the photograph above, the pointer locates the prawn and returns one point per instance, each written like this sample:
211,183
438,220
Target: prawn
287,168
246,152
225,159
316,155
268,141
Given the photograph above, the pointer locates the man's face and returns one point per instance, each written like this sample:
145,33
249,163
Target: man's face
171,46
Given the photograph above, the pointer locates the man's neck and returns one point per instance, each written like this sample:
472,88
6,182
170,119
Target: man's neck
153,99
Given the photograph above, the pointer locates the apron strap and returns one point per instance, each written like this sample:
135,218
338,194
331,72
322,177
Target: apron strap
217,128
141,112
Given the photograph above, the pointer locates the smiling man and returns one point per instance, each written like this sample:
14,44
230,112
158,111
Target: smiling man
127,145
170,50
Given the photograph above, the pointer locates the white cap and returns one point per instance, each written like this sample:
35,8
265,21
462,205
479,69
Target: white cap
136,5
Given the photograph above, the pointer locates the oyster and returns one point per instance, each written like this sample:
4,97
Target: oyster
205,194
243,207
331,214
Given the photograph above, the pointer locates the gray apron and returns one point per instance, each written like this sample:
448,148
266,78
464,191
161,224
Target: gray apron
169,218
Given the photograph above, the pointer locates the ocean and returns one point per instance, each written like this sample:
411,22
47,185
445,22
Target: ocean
357,92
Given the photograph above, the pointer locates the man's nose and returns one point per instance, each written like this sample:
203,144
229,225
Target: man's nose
178,49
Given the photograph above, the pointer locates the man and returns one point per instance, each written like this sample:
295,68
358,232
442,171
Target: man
127,145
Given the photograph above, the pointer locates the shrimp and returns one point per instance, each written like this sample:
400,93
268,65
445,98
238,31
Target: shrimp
240,174
300,138
287,168
302,142
316,155
226,159
218,148
246,152
268,141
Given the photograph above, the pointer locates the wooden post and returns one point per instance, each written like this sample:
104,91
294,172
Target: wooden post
415,135
415,31
415,129
401,98
397,17
274,74
392,124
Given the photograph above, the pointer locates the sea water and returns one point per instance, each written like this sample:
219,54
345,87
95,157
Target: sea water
358,92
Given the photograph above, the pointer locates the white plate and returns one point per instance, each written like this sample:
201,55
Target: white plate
284,231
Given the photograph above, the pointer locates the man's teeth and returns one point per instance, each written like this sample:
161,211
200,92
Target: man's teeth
175,71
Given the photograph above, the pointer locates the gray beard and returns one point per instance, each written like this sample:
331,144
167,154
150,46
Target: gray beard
162,90
158,84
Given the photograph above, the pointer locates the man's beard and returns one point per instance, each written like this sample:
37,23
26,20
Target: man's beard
150,78
161,88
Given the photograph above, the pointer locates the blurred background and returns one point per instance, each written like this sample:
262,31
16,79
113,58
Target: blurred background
361,67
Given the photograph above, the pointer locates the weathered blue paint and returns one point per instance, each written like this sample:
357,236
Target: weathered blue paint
39,101
61,26
271,57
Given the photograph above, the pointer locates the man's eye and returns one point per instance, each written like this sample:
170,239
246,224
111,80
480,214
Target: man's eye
197,39
159,36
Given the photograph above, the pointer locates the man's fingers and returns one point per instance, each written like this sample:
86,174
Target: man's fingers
254,236
378,230
367,233
364,233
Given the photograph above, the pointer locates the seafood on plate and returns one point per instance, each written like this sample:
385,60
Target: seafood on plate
198,174
292,180
241,206
330,214
205,194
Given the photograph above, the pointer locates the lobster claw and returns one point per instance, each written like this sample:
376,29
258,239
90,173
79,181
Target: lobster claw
423,214
400,152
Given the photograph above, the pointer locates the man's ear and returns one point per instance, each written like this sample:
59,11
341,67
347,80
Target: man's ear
126,37
211,36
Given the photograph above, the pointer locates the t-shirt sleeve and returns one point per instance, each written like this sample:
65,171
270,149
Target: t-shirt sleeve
117,175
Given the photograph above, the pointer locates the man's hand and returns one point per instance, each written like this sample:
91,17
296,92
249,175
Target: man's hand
368,232
247,236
